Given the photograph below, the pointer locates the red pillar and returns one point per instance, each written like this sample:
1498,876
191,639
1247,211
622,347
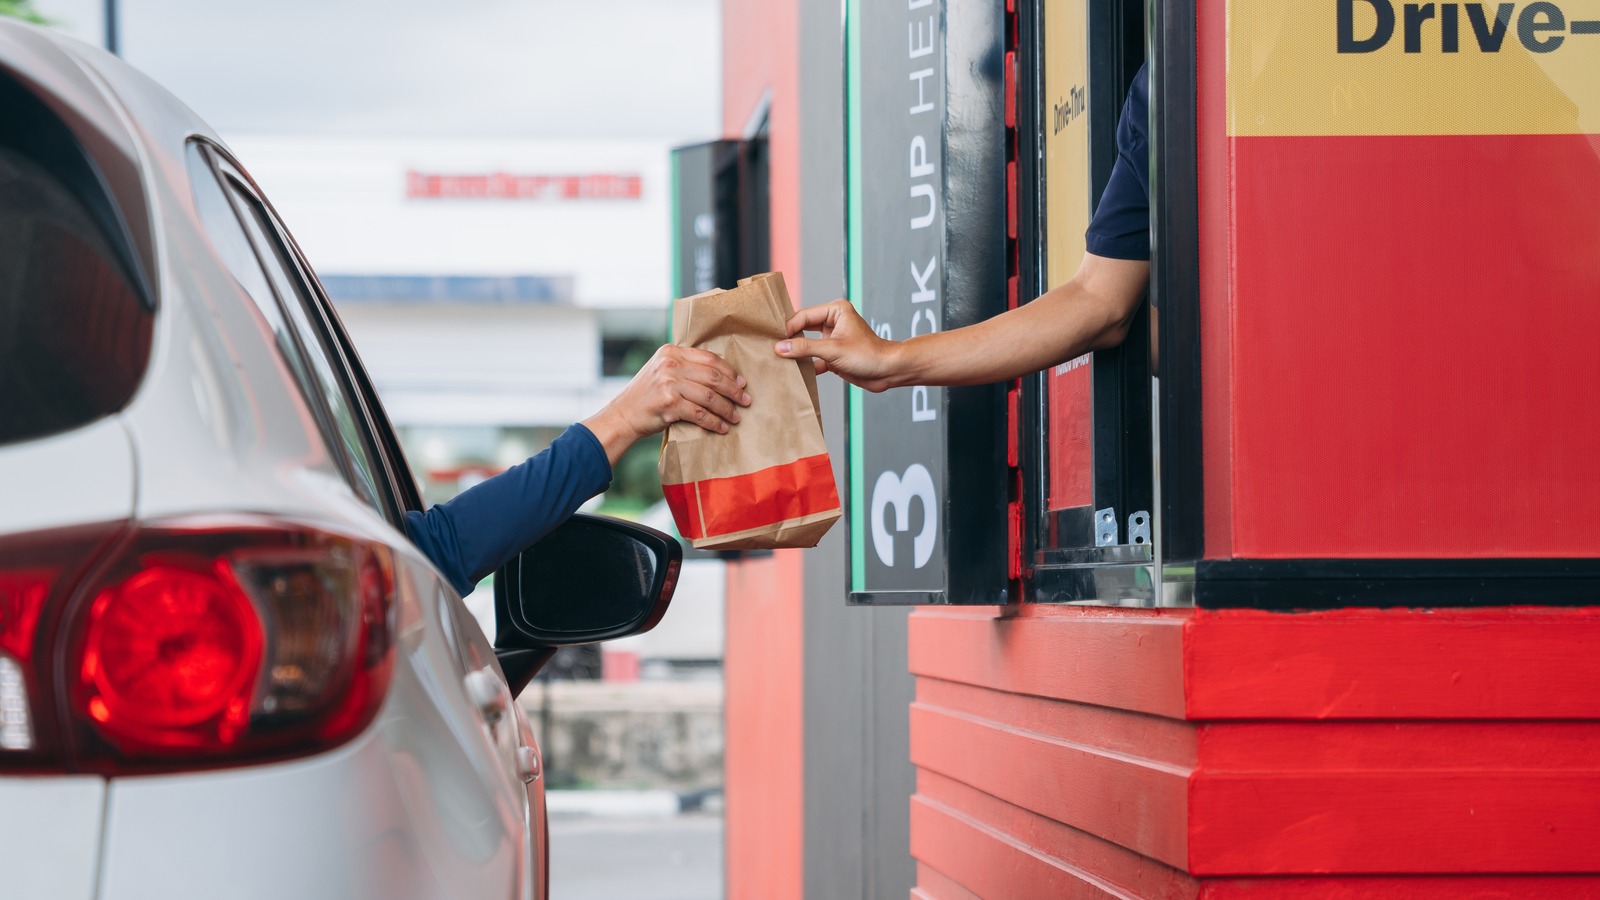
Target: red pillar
764,663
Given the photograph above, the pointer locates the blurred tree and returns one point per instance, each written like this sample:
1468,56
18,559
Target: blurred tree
22,9
635,484
637,356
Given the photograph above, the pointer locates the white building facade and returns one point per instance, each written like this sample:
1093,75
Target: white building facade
497,290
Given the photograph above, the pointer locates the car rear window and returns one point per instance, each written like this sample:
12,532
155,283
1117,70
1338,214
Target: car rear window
74,336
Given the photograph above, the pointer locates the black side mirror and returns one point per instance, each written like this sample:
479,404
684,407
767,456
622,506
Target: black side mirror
592,579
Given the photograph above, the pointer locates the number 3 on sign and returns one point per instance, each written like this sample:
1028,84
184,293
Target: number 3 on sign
898,491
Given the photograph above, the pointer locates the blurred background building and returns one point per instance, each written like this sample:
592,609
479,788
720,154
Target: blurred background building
486,283
499,290
488,208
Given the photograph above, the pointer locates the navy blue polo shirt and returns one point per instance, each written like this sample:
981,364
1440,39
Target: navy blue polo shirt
485,526
1120,228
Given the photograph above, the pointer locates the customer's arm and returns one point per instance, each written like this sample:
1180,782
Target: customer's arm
483,527
677,384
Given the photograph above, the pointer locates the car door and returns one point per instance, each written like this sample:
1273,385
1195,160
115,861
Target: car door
454,665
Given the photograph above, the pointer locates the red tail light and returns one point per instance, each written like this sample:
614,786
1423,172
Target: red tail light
204,643
38,571
171,658
22,596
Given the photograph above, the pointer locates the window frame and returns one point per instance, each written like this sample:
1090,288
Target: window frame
238,188
385,441
1062,560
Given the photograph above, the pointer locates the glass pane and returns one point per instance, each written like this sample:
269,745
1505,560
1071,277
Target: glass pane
280,269
74,338
1066,129
228,239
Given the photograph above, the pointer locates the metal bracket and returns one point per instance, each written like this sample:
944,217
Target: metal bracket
1105,527
1139,527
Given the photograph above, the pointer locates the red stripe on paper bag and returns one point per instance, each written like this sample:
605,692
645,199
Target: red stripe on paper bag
742,502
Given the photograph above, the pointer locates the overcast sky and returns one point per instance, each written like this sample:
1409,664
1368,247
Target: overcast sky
466,68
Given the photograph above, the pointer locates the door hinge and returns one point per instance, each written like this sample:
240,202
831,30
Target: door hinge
1139,527
1105,527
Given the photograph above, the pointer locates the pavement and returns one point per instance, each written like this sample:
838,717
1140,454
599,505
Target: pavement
608,857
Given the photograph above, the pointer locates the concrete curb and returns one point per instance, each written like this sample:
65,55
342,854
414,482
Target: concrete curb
657,804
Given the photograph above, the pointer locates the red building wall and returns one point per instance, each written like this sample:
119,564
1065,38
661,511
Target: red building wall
762,670
764,661
1397,310
1068,752
1359,302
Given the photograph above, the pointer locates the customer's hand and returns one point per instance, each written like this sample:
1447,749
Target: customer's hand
678,384
848,346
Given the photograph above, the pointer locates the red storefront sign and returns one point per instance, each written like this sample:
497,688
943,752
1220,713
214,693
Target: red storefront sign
509,186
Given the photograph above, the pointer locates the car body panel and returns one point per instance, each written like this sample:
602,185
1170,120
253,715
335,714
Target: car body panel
423,804
50,836
99,461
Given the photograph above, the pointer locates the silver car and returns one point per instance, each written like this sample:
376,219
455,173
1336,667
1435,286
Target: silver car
224,670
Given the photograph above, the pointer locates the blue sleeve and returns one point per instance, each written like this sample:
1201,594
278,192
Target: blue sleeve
483,527
1120,228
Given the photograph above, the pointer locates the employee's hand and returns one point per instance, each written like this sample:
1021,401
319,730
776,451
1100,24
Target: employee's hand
678,384
848,346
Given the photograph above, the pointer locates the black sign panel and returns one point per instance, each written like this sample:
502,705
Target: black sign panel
719,214
927,244
694,217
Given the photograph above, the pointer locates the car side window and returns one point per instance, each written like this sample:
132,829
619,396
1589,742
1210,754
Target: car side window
384,439
286,280
268,284
228,239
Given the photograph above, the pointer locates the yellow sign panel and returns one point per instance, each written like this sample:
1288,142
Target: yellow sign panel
1384,67
1066,137
1066,208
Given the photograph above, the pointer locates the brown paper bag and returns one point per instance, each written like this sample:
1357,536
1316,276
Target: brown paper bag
767,482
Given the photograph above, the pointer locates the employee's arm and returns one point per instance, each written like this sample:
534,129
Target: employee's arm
1092,311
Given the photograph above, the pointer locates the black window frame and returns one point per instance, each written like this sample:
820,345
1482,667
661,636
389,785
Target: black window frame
1062,560
402,482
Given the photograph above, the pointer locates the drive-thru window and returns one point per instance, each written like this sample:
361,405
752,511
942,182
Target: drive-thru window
1355,270
971,190
1294,592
